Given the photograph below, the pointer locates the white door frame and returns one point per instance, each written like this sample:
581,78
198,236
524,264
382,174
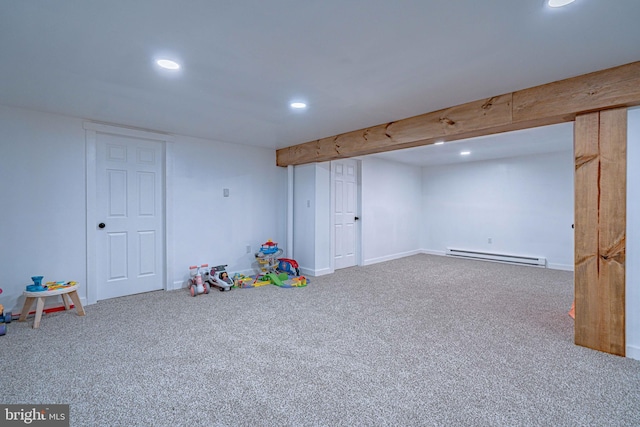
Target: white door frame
91,130
332,220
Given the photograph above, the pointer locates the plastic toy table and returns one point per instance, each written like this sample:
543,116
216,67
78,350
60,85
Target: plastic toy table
66,293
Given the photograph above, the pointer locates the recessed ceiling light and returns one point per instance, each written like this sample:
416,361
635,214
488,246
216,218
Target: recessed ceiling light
298,105
559,3
439,143
168,64
465,153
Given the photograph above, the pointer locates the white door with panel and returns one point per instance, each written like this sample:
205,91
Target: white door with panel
345,212
130,241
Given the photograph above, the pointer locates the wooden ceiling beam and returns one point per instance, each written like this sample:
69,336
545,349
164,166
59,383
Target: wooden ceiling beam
551,103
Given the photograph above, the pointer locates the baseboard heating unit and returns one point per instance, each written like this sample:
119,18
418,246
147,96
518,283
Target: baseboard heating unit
491,256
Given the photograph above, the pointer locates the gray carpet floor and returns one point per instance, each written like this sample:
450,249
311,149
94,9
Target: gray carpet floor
419,341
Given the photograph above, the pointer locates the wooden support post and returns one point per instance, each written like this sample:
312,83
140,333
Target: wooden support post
600,229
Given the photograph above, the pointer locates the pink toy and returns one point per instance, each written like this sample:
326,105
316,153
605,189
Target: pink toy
197,285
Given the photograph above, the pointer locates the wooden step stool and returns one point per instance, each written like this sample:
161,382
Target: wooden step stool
66,293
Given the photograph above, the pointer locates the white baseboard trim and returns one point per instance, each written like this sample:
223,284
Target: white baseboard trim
391,257
315,273
178,284
563,267
633,352
431,252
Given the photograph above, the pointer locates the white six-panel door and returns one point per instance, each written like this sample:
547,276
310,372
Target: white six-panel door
345,208
129,213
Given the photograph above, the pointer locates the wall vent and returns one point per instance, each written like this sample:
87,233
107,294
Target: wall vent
491,256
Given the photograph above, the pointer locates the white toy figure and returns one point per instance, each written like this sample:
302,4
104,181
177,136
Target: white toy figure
219,278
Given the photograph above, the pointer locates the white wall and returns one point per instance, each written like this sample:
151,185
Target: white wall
42,213
524,204
42,201
304,217
43,196
210,228
391,207
323,221
390,211
633,236
311,213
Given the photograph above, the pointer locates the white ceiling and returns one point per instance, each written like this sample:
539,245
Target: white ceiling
357,63
547,139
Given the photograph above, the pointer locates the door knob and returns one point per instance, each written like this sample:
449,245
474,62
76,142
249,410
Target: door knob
356,218
102,225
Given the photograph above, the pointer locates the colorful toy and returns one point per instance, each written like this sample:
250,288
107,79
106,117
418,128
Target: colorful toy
5,317
260,281
37,284
49,286
273,270
267,257
270,247
197,285
242,281
219,278
3,327
572,312
289,266
297,282
52,286
269,262
277,279
282,280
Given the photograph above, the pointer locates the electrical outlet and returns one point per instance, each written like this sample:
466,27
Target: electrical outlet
248,249
225,192
489,240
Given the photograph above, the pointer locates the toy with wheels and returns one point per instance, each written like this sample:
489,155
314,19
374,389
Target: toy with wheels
296,282
289,266
242,281
197,285
219,278
267,257
5,316
4,319
282,280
